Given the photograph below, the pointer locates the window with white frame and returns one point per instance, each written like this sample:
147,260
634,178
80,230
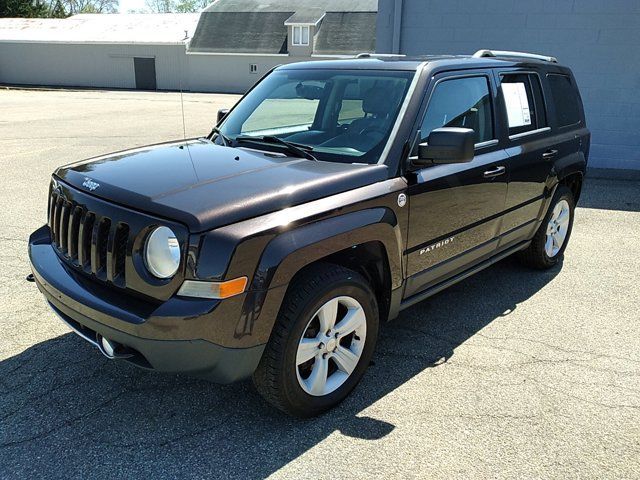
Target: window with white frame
300,35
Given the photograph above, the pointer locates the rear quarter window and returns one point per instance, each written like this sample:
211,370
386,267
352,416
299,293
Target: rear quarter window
523,99
565,99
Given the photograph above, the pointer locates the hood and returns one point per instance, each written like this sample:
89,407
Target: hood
205,186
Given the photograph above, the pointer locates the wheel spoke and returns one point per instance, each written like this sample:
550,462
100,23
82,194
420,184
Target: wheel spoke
317,381
328,315
345,359
562,231
548,246
557,243
353,320
307,349
563,218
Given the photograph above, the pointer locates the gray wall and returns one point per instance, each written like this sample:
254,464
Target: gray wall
221,73
598,39
88,65
111,66
228,73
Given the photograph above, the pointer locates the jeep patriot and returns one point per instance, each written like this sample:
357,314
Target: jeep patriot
333,195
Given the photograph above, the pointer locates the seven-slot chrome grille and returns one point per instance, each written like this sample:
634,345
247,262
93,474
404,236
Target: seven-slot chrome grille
97,244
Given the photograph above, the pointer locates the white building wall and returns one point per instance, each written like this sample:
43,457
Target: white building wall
223,73
111,66
88,65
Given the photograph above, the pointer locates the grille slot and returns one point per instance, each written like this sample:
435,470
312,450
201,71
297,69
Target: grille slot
63,233
83,238
72,235
99,239
55,218
120,249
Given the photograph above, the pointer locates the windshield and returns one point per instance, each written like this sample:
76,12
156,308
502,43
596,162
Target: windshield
342,115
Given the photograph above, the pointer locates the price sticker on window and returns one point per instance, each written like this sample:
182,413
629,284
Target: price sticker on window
515,97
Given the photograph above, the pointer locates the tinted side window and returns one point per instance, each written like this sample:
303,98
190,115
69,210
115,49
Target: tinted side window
565,99
522,96
460,102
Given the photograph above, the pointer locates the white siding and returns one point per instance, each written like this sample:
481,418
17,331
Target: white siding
88,65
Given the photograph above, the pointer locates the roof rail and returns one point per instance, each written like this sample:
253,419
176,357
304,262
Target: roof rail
505,53
379,55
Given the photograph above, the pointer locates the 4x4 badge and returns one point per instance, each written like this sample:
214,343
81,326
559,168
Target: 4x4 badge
402,200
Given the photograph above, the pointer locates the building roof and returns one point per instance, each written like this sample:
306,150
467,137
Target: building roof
241,32
166,28
260,26
293,5
346,32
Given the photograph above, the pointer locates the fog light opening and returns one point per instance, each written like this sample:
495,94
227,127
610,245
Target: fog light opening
107,347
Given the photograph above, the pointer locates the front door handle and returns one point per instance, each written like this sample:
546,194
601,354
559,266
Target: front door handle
494,172
549,154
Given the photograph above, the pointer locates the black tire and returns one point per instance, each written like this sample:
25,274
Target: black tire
535,256
276,376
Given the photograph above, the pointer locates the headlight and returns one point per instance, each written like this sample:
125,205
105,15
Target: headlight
162,253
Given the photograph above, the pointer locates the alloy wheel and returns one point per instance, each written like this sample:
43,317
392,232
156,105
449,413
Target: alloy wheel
557,228
331,346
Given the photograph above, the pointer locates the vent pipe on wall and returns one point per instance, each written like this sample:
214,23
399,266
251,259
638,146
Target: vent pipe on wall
397,26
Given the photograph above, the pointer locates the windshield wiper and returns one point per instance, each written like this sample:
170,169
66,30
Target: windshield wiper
225,140
298,149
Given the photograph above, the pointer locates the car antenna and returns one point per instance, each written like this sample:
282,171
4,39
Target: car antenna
184,124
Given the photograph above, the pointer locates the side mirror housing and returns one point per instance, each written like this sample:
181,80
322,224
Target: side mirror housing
447,145
222,113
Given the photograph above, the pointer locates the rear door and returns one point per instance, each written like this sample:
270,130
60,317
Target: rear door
455,209
530,150
569,133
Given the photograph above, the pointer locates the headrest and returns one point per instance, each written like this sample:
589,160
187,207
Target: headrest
377,101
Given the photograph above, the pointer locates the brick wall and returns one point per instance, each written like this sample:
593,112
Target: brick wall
598,39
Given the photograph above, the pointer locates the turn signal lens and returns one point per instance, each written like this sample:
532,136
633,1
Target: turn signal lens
217,290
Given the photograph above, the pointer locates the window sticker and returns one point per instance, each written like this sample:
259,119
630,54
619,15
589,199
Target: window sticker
515,96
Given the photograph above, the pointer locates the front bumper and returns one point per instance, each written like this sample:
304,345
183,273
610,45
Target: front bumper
178,335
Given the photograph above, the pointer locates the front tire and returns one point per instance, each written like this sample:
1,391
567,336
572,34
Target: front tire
551,239
322,342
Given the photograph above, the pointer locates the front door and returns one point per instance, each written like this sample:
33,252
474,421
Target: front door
455,209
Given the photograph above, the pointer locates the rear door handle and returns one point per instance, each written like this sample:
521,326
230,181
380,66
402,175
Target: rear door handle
494,172
549,154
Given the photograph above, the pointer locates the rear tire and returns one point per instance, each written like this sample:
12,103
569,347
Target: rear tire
551,239
300,354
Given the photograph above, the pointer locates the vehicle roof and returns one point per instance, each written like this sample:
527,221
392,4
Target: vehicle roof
399,62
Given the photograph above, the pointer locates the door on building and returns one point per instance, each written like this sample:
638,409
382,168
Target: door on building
145,70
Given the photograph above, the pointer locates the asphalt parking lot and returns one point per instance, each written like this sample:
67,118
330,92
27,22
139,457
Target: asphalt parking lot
509,374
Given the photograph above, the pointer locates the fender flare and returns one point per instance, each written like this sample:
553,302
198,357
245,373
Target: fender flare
286,254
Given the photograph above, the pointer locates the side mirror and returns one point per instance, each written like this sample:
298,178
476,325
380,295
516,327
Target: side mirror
447,145
222,113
